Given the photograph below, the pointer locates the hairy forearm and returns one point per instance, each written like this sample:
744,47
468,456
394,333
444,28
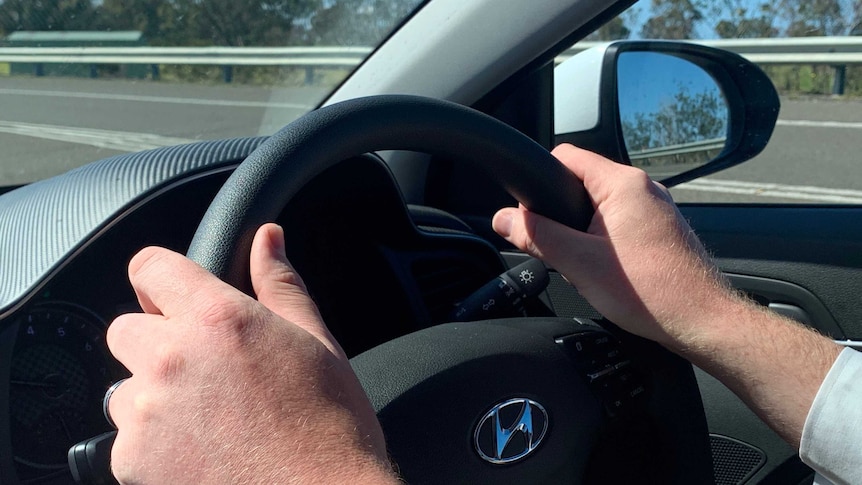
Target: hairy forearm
772,363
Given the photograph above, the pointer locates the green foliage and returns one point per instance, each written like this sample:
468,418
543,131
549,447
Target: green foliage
743,23
356,22
246,23
807,18
614,30
217,22
673,19
686,118
46,15
688,19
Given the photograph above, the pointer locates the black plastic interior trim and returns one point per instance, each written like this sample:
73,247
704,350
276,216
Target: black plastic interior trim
815,247
777,291
7,465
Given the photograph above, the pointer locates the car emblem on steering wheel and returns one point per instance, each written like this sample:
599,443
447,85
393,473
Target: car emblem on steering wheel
511,430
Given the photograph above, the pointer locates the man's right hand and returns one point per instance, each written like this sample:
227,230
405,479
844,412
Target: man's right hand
639,263
641,266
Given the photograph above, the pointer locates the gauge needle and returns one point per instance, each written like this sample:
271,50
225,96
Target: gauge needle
33,384
65,427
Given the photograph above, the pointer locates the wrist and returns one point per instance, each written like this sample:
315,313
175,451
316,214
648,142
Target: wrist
711,327
356,470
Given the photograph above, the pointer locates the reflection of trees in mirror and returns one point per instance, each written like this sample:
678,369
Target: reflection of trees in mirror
693,123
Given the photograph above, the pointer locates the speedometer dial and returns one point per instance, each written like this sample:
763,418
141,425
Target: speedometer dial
60,371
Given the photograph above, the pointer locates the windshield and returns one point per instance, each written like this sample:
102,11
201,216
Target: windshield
81,80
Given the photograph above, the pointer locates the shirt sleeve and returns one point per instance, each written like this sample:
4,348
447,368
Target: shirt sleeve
832,436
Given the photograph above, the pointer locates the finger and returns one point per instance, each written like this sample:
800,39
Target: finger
567,250
121,403
134,339
168,283
598,173
132,408
280,288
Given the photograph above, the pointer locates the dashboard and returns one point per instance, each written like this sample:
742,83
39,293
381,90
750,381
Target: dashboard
376,268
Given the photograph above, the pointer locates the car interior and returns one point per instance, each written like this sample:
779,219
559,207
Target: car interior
386,194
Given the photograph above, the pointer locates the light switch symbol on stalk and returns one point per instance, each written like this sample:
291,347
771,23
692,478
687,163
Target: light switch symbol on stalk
505,295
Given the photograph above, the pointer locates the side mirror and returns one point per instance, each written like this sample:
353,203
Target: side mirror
678,110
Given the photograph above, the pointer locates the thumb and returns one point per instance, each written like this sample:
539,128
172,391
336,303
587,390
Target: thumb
567,250
280,288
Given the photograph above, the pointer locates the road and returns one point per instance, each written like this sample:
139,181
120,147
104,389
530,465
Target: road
50,125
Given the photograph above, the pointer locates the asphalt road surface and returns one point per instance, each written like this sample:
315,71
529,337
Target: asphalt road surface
50,125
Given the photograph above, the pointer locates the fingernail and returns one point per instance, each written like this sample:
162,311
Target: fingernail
278,245
503,224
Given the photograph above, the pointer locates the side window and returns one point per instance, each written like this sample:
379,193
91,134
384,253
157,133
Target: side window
810,52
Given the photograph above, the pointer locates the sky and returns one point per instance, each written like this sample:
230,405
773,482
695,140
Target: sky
647,80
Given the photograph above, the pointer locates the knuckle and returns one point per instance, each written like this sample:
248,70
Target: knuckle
168,364
219,313
230,321
144,407
638,177
117,332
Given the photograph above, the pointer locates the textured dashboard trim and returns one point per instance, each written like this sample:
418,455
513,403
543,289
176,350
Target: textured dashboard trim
44,222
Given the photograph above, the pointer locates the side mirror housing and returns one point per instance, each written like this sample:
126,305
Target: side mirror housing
678,110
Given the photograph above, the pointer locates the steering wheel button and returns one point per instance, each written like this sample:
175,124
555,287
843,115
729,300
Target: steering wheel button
598,375
637,391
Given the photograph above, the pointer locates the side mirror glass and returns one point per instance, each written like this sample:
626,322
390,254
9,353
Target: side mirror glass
673,115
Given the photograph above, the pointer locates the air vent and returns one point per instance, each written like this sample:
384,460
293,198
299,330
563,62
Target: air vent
445,282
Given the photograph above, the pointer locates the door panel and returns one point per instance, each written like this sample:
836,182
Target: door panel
818,249
807,261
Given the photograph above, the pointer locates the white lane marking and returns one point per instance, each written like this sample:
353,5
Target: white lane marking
123,141
796,192
155,99
820,124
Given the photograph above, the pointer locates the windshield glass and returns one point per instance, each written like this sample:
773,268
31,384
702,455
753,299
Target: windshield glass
81,80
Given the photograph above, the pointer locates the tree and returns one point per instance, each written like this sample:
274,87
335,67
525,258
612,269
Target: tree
352,22
807,18
687,118
613,30
741,23
233,23
161,21
672,19
46,15
856,24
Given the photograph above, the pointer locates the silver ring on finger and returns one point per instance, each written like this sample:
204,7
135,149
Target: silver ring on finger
107,400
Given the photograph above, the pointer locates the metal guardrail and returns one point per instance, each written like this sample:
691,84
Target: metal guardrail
836,51
681,149
226,57
779,50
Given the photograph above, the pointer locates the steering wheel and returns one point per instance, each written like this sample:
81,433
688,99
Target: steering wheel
438,390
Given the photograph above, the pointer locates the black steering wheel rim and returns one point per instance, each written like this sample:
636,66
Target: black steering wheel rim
267,180
474,365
